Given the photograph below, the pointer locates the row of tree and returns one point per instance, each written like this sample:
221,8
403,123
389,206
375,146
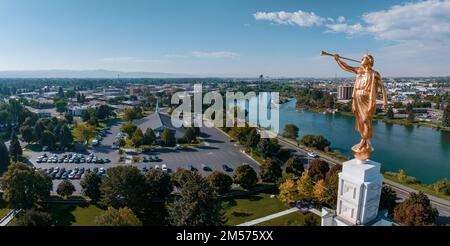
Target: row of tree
46,131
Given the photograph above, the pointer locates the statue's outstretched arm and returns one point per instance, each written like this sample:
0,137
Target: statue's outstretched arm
345,66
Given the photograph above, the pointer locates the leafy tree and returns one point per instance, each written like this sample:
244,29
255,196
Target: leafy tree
388,199
118,217
442,186
180,177
245,176
267,147
390,113
70,94
311,220
415,211
318,169
290,131
319,191
288,192
305,186
60,92
15,150
318,142
39,129
104,111
124,186
65,136
121,142
68,117
48,138
398,105
189,135
402,176
27,134
270,170
85,116
90,185
84,132
149,137
65,188
446,117
332,184
197,205
23,187
34,217
137,138
4,158
168,138
61,106
410,112
220,182
159,182
131,114
129,128
253,139
294,165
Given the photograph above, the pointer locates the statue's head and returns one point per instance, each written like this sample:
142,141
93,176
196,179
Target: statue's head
367,60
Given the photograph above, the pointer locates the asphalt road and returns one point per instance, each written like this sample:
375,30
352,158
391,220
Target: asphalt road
217,150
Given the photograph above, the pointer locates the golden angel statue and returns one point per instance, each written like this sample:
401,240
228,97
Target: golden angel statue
364,102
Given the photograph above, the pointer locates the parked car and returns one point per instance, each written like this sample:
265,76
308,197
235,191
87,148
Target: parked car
313,155
206,168
192,168
95,142
227,168
164,168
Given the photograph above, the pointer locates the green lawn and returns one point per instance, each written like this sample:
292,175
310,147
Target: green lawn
292,219
73,214
419,187
3,209
249,207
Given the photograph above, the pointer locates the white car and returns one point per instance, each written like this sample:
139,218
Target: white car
156,166
163,167
94,142
312,154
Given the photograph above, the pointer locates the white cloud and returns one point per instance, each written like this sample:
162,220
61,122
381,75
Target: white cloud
346,28
341,19
299,18
426,21
131,60
216,54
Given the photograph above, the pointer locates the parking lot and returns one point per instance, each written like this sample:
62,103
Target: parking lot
216,152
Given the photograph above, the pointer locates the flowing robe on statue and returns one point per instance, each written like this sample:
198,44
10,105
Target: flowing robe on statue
364,102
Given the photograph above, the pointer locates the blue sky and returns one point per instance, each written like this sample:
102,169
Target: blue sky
225,37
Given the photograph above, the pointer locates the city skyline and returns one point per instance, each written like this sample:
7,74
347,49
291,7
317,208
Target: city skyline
225,39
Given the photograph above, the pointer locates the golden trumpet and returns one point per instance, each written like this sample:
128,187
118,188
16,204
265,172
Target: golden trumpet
323,53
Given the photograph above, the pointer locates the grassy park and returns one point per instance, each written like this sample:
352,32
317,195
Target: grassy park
253,206
292,219
73,214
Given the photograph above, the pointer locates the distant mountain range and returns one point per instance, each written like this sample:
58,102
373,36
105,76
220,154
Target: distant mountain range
99,73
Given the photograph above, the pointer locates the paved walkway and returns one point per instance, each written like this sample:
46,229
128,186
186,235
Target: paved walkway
276,215
10,216
269,217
